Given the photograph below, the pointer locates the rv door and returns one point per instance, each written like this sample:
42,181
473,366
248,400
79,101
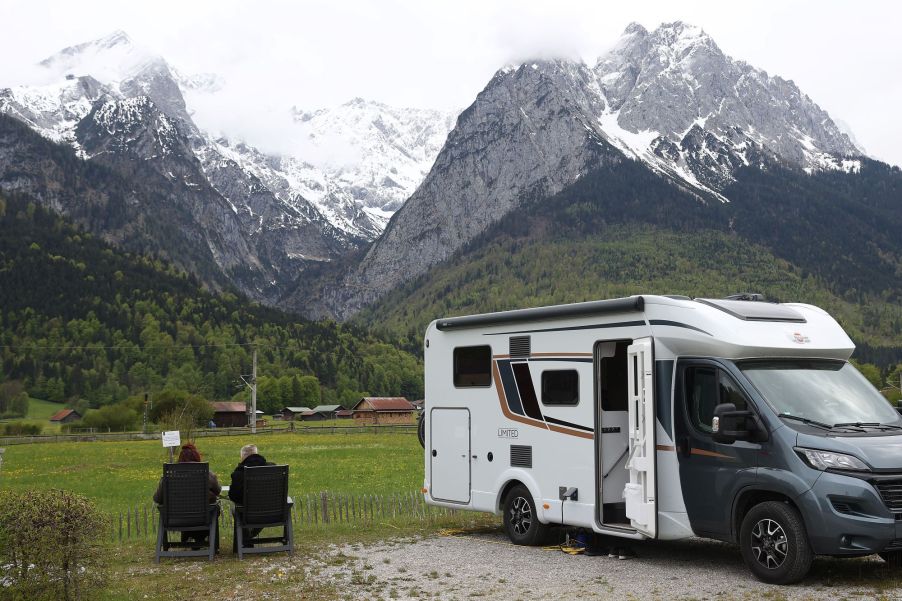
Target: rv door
639,493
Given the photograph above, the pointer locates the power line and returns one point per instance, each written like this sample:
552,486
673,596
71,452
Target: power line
134,346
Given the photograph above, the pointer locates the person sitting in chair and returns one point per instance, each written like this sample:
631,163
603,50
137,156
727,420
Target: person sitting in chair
190,454
249,458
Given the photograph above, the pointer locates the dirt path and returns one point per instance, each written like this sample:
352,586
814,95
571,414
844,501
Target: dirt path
486,566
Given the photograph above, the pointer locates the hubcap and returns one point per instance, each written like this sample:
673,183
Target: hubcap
769,544
521,515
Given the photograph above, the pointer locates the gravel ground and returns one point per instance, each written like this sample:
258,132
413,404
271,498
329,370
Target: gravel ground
486,566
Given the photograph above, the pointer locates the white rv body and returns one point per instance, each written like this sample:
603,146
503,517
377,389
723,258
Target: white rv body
482,439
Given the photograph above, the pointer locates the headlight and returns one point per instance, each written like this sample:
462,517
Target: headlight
825,460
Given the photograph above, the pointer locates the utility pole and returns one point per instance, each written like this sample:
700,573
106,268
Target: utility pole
145,413
252,384
254,395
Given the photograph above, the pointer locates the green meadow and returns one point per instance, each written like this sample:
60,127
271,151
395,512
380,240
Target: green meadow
117,475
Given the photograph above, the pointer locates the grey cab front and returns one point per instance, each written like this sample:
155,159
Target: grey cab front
790,458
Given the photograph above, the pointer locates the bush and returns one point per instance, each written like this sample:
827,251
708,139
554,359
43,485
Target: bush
22,429
117,418
179,410
13,399
50,545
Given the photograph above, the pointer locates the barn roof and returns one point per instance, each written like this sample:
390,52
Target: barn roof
326,408
63,414
229,407
396,403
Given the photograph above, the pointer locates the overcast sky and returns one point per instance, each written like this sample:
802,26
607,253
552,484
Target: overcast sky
439,54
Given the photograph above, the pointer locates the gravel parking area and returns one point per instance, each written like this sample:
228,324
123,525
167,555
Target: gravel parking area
486,566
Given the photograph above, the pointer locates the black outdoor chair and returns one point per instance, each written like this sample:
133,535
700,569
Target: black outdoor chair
186,509
266,505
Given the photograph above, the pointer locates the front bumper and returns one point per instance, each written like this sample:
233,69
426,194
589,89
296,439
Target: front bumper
846,515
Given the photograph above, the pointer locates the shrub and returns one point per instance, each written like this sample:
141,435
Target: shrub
179,410
22,429
118,418
50,545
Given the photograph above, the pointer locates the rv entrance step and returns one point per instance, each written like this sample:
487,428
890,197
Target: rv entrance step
614,513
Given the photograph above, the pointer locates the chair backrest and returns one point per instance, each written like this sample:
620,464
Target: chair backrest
265,494
185,501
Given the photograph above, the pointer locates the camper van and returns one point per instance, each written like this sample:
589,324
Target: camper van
666,417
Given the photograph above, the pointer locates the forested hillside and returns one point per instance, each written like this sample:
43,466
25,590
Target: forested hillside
85,323
624,231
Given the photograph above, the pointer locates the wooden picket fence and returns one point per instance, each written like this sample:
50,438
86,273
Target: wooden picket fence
310,511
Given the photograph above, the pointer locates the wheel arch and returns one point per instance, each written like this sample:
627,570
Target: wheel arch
749,497
511,479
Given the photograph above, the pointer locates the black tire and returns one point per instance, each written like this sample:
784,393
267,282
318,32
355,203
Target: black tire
521,519
893,559
421,429
774,544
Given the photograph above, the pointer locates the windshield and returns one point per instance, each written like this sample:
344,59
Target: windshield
830,392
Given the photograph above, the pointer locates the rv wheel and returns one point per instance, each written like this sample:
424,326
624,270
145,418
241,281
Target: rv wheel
521,520
892,558
421,429
773,543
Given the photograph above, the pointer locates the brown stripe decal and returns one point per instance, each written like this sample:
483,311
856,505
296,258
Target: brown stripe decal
706,453
665,447
577,433
502,399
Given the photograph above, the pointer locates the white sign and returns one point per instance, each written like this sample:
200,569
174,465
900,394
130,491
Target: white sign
172,439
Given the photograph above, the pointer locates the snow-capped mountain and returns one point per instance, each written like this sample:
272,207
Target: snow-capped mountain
111,98
356,197
668,98
377,153
676,101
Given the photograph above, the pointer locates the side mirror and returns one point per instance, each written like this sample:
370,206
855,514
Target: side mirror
729,425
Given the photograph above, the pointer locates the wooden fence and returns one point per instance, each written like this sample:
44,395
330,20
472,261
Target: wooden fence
126,436
310,511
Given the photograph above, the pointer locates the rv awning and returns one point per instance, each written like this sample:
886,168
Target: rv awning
631,304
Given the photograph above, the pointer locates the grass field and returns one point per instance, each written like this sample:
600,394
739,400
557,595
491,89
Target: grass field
121,474
39,411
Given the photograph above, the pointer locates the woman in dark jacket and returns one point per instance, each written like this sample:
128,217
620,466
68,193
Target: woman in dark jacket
190,454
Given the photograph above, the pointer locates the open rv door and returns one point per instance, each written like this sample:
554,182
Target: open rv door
639,493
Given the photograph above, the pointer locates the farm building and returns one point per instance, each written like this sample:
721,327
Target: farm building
229,414
344,414
290,413
320,413
65,416
384,410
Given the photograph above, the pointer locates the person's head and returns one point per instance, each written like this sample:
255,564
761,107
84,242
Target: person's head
248,450
189,453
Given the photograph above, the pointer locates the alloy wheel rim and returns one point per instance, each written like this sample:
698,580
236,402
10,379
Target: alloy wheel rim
770,544
521,516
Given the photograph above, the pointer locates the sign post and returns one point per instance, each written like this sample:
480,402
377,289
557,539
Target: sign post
171,439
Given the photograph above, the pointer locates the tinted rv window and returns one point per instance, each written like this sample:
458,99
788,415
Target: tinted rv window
472,366
560,387
707,387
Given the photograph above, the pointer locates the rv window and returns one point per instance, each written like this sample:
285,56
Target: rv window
472,366
560,387
707,387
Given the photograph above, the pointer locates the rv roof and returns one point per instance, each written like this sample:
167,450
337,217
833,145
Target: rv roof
617,305
755,310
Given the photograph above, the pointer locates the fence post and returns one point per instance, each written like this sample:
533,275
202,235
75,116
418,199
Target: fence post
325,502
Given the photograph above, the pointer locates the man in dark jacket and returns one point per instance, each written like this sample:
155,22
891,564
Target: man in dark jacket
249,458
